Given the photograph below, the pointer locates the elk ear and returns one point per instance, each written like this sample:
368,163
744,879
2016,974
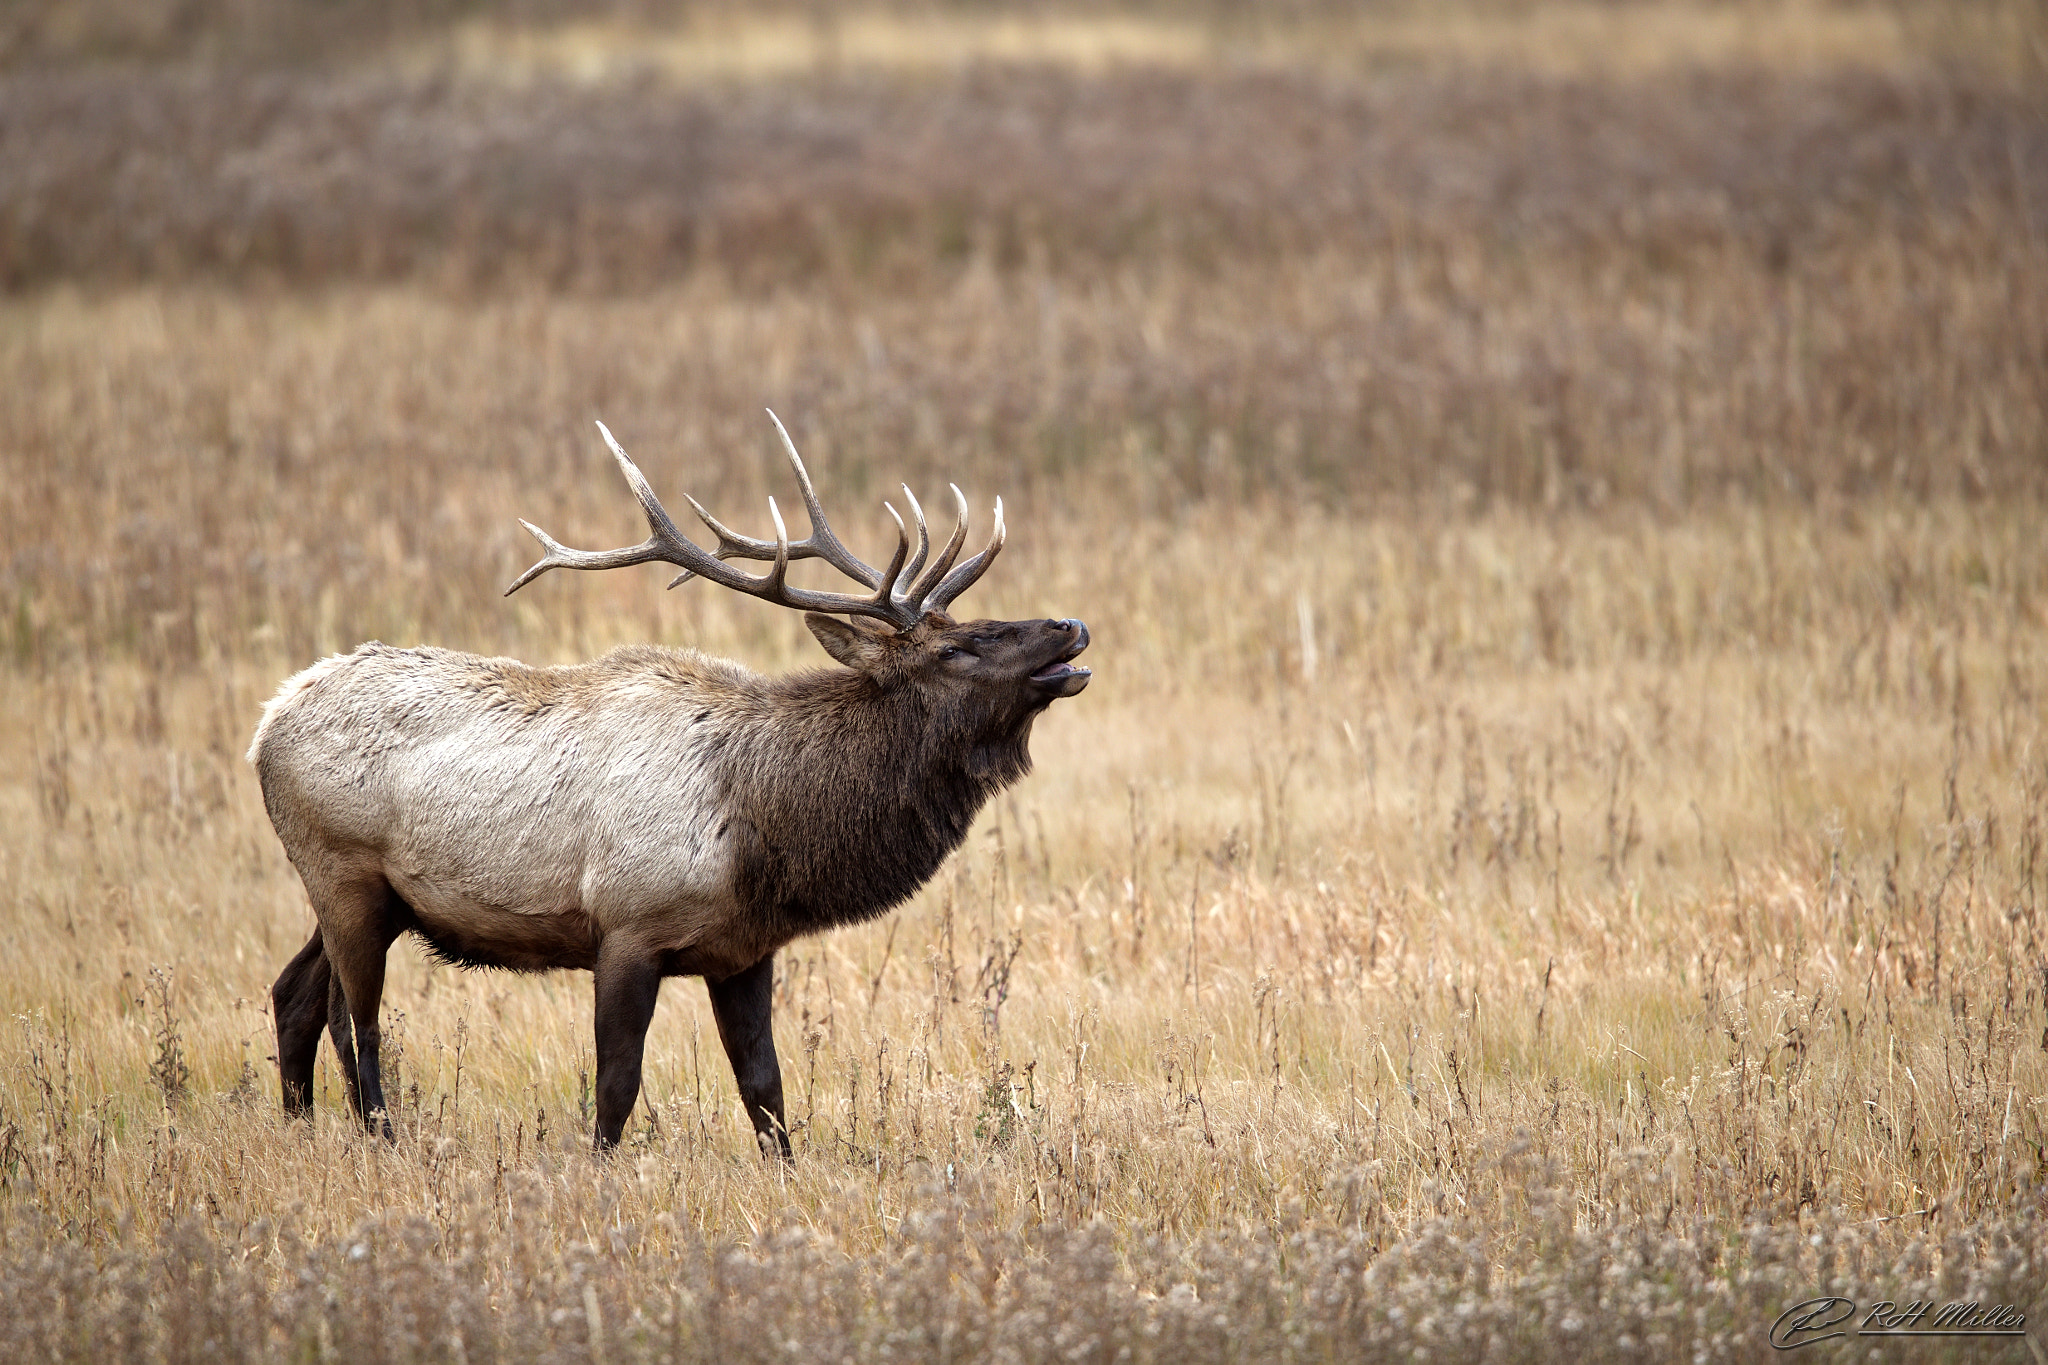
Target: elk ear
856,644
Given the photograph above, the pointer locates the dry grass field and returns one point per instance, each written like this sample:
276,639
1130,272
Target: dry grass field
1553,863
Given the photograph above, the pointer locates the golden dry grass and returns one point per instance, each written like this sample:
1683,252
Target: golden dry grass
1555,837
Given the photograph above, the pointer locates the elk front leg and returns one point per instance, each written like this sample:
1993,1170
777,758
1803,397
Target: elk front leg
741,1004
628,985
298,1004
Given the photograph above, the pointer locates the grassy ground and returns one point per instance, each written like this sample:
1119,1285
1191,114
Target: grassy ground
1550,864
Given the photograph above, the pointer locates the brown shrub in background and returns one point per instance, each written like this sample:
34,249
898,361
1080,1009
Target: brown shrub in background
309,177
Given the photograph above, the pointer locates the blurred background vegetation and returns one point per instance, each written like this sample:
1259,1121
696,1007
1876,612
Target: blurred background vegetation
1557,490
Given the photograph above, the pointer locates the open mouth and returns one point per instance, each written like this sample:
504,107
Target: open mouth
1061,676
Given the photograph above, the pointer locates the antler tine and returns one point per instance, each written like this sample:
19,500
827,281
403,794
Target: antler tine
822,541
733,545
899,584
554,555
887,589
657,516
881,605
962,578
773,586
933,575
663,543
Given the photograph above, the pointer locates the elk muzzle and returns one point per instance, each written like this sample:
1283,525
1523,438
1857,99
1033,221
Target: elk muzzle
1060,677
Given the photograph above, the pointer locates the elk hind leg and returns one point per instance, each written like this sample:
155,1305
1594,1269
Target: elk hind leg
743,1004
299,1003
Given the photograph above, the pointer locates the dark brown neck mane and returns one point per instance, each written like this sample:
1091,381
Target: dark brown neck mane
852,792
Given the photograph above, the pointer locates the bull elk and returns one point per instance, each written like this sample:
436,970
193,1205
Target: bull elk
652,813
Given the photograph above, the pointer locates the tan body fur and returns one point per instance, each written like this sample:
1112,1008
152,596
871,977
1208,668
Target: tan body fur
595,781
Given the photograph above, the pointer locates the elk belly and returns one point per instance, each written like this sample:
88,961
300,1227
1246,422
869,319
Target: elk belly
469,935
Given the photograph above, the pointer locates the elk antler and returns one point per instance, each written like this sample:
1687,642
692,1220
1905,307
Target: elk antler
901,597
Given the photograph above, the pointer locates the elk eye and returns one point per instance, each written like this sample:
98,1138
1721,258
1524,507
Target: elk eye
949,651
